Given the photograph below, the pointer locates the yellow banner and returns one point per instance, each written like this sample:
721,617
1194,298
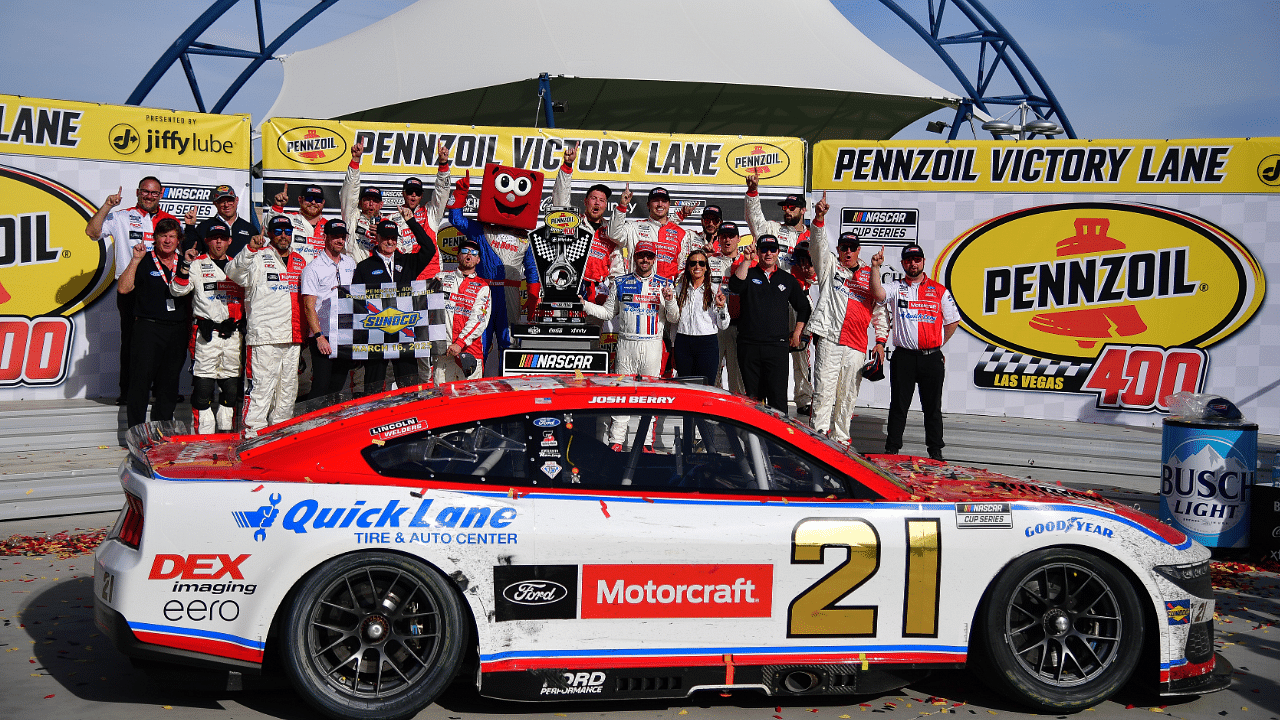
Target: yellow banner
61,128
1199,166
606,156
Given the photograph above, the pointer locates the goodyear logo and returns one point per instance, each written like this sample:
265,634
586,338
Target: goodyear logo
761,159
563,220
1061,281
312,145
1179,611
392,320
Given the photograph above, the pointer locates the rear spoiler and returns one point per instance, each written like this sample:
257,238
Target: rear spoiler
142,436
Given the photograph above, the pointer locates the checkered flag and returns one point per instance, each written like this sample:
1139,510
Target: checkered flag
1001,368
386,321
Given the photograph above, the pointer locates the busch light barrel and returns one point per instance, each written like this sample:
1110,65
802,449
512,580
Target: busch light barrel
1207,473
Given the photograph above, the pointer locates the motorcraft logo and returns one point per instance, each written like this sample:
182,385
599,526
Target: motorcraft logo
676,591
312,145
391,320
535,592
1115,299
761,159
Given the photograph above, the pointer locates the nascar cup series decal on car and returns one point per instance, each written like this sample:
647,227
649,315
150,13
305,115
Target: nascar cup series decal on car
1127,295
984,515
312,145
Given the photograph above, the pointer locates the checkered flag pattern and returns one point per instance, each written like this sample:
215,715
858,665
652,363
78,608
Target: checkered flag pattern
383,321
998,360
544,248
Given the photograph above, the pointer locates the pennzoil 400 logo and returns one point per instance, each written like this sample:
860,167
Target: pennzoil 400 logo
1116,300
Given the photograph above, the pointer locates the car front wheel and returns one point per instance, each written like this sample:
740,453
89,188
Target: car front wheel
373,635
1061,630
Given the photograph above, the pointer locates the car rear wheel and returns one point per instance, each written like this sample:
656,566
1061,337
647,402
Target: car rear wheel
373,635
1060,630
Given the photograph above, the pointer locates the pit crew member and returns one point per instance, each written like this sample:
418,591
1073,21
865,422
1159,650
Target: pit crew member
309,237
604,260
468,302
227,213
670,242
320,281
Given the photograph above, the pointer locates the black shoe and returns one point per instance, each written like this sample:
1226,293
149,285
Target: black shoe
122,401
891,450
805,410
936,454
181,398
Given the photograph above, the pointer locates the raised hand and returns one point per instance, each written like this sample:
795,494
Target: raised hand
405,212
721,299
281,197
625,199
190,255
357,152
139,250
570,155
191,217
753,180
878,259
442,153
668,293
114,200
821,207
257,242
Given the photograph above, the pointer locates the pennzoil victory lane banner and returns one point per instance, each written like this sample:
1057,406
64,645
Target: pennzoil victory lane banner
697,170
1094,278
59,160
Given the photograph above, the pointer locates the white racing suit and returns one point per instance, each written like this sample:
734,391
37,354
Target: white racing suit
642,315
218,309
468,302
362,238
672,243
274,333
839,324
308,239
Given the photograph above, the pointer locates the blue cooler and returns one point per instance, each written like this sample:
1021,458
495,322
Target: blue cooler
1207,473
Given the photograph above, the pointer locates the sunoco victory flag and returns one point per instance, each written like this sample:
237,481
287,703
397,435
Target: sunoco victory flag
388,322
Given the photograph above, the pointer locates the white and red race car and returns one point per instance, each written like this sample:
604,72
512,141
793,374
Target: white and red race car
377,548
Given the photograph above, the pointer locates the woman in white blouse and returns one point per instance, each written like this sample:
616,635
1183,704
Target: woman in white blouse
703,314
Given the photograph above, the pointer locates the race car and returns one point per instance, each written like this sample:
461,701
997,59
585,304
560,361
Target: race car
377,549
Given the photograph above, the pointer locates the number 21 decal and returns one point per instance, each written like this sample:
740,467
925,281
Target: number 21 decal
813,613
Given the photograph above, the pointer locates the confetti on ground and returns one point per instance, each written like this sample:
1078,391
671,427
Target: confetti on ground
62,545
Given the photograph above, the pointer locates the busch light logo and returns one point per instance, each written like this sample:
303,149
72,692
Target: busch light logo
260,519
1205,483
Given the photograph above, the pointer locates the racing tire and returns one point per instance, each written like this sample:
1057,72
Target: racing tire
373,635
1060,630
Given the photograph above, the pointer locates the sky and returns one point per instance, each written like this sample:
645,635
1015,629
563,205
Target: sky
1164,69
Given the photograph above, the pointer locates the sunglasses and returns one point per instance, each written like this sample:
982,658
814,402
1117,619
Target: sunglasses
313,198
696,263
851,248
287,231
773,249
644,255
413,192
468,251
913,258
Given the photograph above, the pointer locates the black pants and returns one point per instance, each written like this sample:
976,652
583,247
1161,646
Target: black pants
698,355
328,375
909,369
158,353
124,304
765,369
375,373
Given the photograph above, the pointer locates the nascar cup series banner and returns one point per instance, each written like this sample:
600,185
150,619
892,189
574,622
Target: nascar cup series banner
1094,278
696,169
59,160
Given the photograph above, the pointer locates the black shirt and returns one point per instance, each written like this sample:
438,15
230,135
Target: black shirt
241,231
151,297
764,300
405,267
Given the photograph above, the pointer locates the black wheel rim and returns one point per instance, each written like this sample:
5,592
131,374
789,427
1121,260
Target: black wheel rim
374,632
1063,624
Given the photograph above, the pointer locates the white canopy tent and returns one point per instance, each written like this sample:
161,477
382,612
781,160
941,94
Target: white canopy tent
760,67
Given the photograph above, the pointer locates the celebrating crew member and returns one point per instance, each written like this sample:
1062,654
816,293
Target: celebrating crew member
722,265
218,309
767,292
709,235
604,259
802,357
309,236
389,265
320,281
703,314
363,211
269,272
644,302
127,228
924,319
160,324
670,242
847,306
227,213
468,302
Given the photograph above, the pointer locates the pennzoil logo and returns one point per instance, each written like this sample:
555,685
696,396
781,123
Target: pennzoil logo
312,145
563,220
1119,300
447,240
392,320
761,159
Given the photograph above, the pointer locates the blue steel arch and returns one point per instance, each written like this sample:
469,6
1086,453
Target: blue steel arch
188,44
1005,52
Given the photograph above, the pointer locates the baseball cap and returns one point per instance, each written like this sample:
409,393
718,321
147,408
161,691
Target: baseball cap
873,369
712,210
335,228
645,246
912,250
848,238
223,191
467,363
802,251
466,242
219,229
387,228
314,192
371,192
279,222
727,227
797,200
659,193
766,242
413,183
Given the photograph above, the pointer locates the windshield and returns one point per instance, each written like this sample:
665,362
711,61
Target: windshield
846,450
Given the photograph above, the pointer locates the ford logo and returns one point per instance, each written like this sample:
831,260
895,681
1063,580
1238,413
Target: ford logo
535,592
546,422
